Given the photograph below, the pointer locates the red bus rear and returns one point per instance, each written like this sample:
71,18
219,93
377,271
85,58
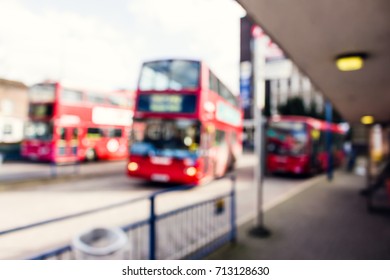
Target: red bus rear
68,125
297,145
187,125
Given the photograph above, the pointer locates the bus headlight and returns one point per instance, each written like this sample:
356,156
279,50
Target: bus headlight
189,162
132,166
43,151
191,171
297,169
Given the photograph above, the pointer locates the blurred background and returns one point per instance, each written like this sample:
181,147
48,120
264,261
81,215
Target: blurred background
143,116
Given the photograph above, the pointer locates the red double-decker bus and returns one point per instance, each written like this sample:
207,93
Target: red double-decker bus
187,125
67,124
297,145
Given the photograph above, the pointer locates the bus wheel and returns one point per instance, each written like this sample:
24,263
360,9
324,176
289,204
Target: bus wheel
90,155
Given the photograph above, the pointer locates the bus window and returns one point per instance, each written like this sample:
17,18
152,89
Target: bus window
220,137
213,82
233,138
218,87
42,93
137,132
173,136
287,138
94,133
121,101
170,74
61,133
71,96
39,131
130,102
114,133
322,141
62,143
74,134
40,110
95,98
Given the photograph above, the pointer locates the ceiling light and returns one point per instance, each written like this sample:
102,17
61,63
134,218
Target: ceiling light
367,120
350,62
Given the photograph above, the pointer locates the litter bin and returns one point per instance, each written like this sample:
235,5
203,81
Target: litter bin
101,243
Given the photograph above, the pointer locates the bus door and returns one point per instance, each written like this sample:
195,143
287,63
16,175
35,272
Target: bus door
207,132
222,149
61,145
74,141
315,136
67,143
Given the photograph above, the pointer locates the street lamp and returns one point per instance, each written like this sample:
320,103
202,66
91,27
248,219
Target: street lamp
258,57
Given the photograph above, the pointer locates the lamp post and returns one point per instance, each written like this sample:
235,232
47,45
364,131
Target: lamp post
258,56
329,140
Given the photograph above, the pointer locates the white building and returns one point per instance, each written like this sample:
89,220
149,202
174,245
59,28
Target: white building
13,111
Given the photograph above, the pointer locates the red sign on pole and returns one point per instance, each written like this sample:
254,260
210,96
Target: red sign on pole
257,32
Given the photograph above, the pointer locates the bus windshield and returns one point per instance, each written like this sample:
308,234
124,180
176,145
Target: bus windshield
157,137
41,110
42,93
170,75
39,131
286,138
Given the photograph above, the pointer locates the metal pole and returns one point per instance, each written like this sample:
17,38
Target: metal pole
258,48
53,169
368,191
152,229
369,160
233,232
329,140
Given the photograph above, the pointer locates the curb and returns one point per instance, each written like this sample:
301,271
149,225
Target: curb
33,182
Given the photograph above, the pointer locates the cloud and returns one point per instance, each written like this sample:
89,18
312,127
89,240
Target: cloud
89,50
63,45
201,29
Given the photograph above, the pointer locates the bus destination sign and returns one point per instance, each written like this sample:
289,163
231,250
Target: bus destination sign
167,103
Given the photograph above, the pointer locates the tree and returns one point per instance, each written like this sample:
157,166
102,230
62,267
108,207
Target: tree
295,106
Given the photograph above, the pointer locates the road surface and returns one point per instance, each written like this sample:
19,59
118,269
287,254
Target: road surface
36,202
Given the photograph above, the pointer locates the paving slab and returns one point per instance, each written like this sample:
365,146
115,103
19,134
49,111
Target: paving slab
329,220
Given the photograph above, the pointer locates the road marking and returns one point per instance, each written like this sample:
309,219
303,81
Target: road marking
282,198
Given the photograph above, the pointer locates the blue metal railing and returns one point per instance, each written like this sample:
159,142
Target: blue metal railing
189,232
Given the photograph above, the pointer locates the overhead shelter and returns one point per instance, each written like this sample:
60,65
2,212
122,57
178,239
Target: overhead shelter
314,33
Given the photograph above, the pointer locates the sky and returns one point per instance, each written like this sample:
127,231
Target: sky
101,44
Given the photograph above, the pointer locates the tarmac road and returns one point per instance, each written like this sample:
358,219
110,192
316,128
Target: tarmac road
36,202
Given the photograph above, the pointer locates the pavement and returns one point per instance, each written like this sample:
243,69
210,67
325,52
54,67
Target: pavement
326,221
